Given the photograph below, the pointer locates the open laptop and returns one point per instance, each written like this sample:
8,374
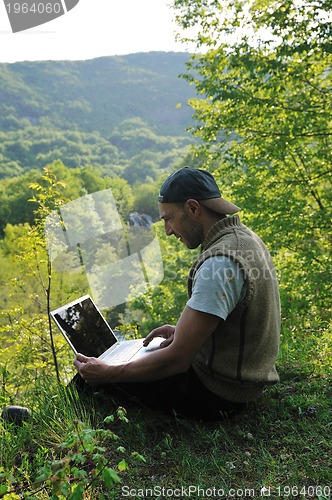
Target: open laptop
88,333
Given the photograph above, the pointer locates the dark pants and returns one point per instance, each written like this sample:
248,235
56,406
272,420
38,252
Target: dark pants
183,394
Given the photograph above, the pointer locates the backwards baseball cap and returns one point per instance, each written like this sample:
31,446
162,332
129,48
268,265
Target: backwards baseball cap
191,183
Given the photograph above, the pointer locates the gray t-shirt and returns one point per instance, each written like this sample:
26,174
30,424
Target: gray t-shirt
218,287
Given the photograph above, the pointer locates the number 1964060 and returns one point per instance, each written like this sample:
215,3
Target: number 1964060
35,8
323,492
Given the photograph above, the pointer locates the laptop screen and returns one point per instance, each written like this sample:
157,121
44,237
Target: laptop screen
84,326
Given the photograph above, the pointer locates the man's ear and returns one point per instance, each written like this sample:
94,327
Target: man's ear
193,207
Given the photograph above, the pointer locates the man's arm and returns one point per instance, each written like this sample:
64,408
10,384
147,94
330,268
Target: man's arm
191,332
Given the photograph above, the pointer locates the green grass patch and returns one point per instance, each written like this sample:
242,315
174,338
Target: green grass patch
283,442
92,449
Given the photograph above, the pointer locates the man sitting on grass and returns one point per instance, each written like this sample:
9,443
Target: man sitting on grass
223,349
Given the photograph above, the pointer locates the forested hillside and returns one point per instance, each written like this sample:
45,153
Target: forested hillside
124,114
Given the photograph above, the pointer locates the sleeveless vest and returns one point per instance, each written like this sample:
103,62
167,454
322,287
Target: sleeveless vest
238,359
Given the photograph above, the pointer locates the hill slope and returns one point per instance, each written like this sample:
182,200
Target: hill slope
97,94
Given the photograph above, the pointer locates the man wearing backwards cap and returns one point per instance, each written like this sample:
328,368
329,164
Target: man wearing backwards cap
223,349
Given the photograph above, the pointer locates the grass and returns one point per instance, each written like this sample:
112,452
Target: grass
281,448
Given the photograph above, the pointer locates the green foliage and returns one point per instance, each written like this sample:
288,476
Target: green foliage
264,114
112,120
27,353
29,345
96,95
17,205
34,147
67,477
273,445
85,462
145,196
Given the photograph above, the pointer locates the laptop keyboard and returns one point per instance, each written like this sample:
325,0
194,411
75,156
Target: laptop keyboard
124,352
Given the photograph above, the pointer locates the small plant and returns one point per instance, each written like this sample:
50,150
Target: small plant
84,462
83,465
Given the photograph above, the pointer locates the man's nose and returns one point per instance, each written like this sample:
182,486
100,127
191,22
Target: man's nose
168,230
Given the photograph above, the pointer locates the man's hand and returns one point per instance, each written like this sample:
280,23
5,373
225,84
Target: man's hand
165,331
93,370
183,341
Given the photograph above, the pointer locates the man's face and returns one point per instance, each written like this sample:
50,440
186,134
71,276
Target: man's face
181,221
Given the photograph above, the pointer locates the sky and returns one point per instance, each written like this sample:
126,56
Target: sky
93,28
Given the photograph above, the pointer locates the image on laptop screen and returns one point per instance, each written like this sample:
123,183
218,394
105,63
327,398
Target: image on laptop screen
85,327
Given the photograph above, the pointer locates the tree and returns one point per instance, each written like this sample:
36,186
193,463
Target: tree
264,82
145,199
31,288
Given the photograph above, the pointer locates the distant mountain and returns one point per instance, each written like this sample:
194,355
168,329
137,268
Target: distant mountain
98,94
126,116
